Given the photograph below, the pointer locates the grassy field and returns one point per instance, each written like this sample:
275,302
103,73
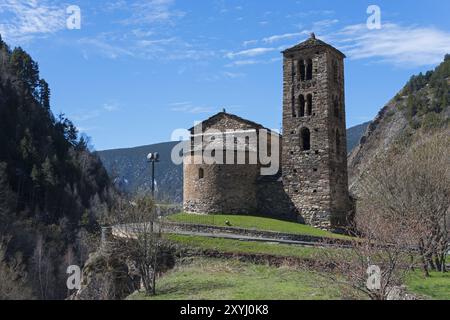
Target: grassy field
207,278
435,287
236,246
230,279
251,222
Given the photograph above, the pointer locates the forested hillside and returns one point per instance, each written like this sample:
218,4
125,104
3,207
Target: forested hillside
132,173
52,188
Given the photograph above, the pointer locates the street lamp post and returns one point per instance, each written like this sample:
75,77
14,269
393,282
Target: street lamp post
152,158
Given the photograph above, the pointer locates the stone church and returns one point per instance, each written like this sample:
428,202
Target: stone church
311,185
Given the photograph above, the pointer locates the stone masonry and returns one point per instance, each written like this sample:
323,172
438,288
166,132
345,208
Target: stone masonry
311,185
314,133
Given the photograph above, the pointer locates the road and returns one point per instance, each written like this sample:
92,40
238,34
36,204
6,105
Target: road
130,230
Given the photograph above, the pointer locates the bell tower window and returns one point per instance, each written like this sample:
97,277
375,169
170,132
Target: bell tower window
301,106
309,104
301,70
305,139
309,69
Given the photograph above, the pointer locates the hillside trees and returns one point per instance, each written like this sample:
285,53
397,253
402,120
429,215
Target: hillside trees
427,97
410,187
49,177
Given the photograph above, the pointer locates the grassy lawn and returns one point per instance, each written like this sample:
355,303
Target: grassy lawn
436,287
251,222
207,278
236,246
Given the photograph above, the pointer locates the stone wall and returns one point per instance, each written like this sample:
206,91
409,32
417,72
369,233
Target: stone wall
315,179
231,188
313,183
273,200
224,188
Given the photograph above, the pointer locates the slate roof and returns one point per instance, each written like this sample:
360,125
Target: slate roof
312,42
235,117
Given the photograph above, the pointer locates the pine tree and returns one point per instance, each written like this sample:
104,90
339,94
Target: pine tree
26,69
48,174
44,94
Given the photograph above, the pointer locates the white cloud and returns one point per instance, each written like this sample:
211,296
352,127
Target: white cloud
248,62
285,36
239,63
85,116
110,107
249,43
101,45
403,46
188,107
233,75
321,25
145,12
24,19
249,53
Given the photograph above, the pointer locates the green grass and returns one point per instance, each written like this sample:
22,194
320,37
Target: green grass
252,222
249,247
437,286
219,279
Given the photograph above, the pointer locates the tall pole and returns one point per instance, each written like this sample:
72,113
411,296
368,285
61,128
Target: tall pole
153,180
153,157
153,191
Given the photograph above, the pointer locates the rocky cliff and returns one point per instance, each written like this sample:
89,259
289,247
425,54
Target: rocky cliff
422,107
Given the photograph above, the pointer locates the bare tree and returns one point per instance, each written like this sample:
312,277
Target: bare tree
137,237
382,247
401,219
411,186
42,269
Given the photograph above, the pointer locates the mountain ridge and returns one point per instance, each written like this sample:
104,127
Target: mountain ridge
422,107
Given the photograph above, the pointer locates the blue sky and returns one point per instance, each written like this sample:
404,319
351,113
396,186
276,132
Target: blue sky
137,70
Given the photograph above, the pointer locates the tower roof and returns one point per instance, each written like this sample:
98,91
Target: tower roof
210,121
312,42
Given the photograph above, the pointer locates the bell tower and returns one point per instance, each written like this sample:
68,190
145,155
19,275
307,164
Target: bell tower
314,153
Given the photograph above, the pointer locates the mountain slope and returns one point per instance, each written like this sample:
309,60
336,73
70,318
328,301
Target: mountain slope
49,184
132,173
422,107
354,135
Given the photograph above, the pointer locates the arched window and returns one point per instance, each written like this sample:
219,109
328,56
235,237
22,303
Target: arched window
309,69
301,69
309,104
305,139
338,142
201,173
336,107
301,106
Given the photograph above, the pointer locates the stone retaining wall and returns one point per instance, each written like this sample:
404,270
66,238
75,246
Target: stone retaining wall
253,233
